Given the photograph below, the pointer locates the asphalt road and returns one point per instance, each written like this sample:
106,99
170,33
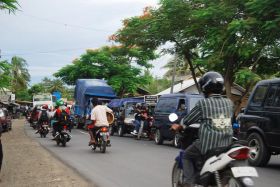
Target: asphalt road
131,163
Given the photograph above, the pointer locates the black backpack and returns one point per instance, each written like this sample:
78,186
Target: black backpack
64,117
44,115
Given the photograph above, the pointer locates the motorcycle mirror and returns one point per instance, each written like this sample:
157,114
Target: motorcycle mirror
195,125
173,117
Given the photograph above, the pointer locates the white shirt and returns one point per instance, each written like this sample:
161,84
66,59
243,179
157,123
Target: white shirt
98,113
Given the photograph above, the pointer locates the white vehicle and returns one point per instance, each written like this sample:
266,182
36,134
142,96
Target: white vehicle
43,99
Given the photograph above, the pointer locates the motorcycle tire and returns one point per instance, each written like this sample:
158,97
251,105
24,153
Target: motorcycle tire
63,142
177,175
111,130
234,182
103,146
121,130
57,142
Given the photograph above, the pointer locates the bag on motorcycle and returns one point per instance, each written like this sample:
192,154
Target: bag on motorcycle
44,116
64,117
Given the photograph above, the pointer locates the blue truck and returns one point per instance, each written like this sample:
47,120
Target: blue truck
85,90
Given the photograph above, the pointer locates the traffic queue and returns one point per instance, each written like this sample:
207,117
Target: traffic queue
184,119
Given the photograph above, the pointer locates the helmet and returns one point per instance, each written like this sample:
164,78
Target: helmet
45,107
59,102
138,105
211,82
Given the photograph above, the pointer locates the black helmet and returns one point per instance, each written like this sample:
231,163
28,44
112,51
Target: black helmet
211,82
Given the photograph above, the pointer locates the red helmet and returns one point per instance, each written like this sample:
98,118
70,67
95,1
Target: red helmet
45,107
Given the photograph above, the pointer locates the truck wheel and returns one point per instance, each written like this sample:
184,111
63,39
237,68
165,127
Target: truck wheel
158,137
259,154
120,130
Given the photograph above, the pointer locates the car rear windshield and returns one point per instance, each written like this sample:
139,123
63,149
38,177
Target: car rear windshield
193,101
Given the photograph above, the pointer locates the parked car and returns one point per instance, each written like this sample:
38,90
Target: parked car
181,104
260,122
5,119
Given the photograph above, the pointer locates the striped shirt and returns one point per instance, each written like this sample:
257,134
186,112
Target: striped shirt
214,115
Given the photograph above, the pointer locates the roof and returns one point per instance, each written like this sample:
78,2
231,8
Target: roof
236,89
179,87
119,102
269,81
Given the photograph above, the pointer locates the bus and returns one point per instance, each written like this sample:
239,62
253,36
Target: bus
43,99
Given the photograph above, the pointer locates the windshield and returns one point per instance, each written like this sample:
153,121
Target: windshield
193,102
42,98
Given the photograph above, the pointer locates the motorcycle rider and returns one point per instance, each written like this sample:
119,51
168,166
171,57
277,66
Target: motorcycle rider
214,115
60,117
99,119
44,116
141,115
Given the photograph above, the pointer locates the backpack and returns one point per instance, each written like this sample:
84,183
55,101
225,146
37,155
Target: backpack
64,117
44,115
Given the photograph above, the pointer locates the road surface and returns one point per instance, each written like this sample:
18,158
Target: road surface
131,163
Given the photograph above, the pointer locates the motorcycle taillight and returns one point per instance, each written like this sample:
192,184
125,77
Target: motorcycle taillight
64,127
240,154
104,129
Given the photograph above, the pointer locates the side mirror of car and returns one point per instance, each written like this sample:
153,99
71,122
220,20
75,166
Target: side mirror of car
173,117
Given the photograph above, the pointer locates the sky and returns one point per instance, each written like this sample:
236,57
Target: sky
50,34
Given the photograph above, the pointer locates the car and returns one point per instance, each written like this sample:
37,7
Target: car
260,122
5,119
181,104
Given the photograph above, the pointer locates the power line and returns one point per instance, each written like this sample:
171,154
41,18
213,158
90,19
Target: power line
65,24
43,52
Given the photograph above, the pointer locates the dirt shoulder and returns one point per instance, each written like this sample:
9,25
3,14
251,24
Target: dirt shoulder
26,163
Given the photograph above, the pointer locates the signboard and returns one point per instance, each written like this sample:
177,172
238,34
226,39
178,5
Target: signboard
151,99
13,97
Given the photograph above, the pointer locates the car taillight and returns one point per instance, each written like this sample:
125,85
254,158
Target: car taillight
240,154
104,129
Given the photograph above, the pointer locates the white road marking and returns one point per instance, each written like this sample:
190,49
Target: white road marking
83,132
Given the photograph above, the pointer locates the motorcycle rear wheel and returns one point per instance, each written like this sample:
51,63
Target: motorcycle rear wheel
177,176
103,146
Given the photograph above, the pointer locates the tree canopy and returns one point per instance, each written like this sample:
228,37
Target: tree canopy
10,5
240,39
120,66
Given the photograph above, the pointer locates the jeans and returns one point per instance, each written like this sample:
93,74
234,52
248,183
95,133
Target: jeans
191,156
137,125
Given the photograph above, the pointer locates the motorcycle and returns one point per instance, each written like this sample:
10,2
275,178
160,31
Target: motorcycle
44,130
224,166
102,139
146,131
34,124
62,137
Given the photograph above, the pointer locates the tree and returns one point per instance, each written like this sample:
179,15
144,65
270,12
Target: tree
10,5
234,38
19,74
4,74
120,66
156,84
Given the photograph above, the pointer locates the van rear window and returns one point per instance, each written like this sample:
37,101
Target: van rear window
259,95
193,102
167,105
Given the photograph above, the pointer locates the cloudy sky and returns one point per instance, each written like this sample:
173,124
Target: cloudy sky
49,34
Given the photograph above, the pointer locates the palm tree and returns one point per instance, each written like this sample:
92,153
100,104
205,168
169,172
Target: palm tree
19,74
182,68
10,5
4,74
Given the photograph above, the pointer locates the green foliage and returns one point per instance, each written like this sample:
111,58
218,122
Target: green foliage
225,36
4,74
121,66
10,5
19,74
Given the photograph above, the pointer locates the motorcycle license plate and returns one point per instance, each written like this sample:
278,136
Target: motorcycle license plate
244,172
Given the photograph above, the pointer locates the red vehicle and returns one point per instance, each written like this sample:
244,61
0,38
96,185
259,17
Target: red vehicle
5,119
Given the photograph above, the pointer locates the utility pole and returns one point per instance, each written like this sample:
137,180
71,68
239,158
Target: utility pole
173,75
